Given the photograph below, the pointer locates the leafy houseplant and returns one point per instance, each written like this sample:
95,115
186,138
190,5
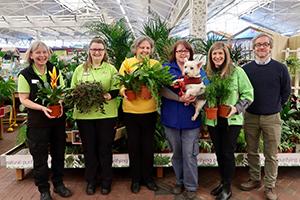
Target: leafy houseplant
85,96
131,82
50,94
153,77
223,90
293,64
211,97
7,88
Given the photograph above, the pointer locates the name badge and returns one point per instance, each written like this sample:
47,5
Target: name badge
34,81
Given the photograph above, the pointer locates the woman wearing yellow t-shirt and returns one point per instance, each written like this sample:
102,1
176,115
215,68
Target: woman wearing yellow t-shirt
140,118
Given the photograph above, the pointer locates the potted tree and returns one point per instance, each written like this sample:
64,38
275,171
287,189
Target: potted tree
51,95
85,96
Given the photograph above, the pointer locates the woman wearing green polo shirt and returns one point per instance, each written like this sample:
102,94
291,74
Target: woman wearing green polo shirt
96,128
43,130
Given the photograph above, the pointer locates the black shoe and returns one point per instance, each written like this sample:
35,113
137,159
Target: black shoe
46,196
151,185
135,187
63,191
90,189
105,190
217,190
225,194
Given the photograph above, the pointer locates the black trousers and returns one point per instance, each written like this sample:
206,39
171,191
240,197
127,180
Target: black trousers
97,136
140,130
224,139
40,140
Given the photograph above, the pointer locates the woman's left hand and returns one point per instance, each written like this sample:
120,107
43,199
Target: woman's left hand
107,96
233,110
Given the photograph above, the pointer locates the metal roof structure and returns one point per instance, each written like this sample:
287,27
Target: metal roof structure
66,19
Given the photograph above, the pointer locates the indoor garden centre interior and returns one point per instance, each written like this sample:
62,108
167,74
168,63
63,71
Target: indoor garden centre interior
58,42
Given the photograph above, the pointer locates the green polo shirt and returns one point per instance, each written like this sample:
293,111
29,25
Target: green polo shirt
104,74
23,85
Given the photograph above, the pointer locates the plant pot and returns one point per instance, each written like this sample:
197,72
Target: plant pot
211,113
223,111
56,110
145,92
130,95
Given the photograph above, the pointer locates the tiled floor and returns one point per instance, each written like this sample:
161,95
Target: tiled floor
10,189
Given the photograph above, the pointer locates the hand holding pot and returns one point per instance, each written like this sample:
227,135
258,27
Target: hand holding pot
233,110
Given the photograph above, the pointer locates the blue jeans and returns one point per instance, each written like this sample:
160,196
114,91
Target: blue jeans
185,148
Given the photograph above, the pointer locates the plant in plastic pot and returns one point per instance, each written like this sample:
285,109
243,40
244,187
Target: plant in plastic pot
86,96
211,97
51,95
131,82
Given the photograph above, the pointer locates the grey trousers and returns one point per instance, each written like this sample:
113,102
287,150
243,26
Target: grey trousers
270,128
185,148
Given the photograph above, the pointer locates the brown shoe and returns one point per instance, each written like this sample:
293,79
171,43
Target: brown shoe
250,185
270,194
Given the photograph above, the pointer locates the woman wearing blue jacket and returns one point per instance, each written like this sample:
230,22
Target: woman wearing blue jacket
181,132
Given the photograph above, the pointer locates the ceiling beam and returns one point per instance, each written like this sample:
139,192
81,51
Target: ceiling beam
177,12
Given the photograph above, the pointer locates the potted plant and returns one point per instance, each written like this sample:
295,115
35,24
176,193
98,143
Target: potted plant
223,91
152,78
7,88
86,96
51,95
211,97
131,82
293,64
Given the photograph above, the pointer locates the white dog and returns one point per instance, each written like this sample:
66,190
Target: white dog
192,85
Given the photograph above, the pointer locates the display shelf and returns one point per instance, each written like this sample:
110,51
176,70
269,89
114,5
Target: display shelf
19,158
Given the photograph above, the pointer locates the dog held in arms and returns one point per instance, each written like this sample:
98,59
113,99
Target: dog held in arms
192,85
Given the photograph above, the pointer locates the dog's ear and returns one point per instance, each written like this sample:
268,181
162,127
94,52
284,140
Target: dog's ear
185,60
199,64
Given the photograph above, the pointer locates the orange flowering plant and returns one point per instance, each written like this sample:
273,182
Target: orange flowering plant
51,94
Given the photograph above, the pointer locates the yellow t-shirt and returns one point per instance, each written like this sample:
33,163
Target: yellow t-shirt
139,105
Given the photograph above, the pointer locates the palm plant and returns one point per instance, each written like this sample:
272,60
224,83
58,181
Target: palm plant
159,32
202,46
117,37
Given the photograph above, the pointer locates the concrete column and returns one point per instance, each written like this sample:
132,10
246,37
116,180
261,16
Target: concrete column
198,12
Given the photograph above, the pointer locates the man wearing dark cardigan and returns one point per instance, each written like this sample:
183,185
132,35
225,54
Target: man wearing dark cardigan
271,82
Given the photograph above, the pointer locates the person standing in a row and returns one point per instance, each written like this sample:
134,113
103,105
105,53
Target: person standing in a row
140,116
272,88
43,130
224,131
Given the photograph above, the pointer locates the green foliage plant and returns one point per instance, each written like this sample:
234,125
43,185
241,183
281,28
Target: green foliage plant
158,31
7,88
293,64
118,39
86,96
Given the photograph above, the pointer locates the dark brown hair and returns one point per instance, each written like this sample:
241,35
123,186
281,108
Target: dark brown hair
186,45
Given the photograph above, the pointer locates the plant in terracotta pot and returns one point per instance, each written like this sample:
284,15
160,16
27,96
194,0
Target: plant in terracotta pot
153,78
223,91
51,94
86,96
131,82
211,98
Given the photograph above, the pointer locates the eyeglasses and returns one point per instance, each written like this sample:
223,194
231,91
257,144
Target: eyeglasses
266,44
182,51
94,50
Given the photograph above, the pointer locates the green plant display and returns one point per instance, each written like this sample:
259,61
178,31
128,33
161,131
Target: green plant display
21,137
293,64
159,32
161,160
118,39
7,88
130,81
205,146
85,96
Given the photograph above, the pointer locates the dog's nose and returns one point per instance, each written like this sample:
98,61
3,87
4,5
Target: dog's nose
185,73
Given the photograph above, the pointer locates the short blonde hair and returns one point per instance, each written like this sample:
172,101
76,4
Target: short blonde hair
226,68
139,40
34,46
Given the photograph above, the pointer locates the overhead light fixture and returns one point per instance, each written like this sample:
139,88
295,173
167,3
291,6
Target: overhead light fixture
126,17
74,5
